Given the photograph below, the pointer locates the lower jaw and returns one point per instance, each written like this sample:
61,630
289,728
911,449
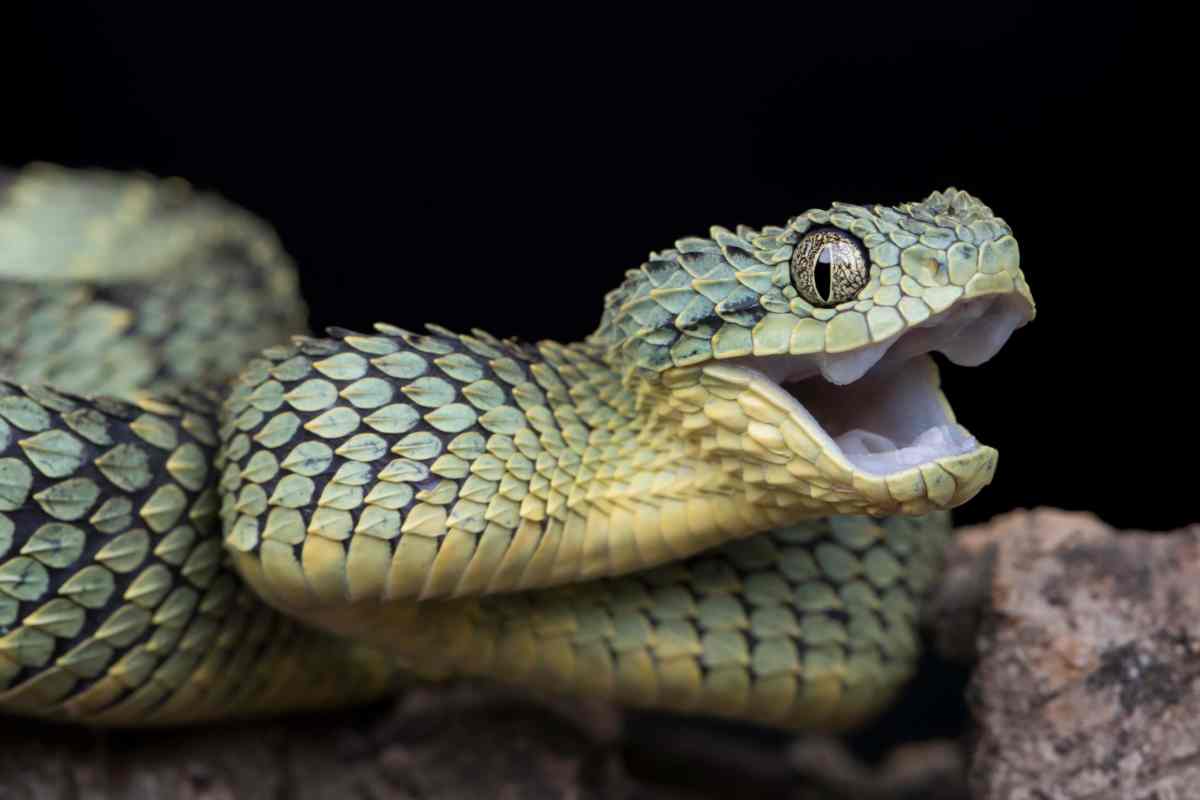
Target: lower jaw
824,489
852,461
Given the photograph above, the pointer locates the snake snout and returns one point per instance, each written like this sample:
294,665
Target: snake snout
969,333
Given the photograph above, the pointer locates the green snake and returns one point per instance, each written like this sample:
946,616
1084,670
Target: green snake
730,499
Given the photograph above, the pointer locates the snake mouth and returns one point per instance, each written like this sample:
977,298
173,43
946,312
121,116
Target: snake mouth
878,409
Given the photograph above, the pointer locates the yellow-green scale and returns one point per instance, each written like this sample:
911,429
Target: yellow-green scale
355,500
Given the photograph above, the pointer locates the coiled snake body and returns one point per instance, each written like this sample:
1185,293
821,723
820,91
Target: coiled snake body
645,515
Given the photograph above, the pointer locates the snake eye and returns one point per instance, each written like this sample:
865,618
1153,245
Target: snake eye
828,268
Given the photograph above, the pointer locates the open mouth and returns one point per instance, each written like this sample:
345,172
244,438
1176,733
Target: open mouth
879,407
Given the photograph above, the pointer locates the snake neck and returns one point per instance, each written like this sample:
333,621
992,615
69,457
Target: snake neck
630,468
496,466
637,467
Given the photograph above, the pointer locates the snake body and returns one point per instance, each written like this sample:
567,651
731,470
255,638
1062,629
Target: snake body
200,520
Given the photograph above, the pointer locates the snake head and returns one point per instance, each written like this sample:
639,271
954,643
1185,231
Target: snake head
800,353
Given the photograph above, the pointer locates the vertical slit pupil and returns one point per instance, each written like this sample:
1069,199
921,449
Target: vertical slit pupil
823,273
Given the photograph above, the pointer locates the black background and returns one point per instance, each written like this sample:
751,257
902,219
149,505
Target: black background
501,169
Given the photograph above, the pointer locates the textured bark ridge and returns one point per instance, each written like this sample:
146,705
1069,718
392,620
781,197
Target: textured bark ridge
455,742
459,742
1089,650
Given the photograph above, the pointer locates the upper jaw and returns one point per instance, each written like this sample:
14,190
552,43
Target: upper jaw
885,437
968,333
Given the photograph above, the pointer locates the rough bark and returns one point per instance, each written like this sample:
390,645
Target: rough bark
453,743
1088,645
464,742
